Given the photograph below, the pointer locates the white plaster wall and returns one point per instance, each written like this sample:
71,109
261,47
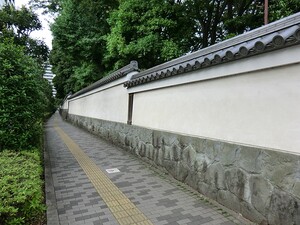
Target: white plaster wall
259,108
65,105
106,104
282,57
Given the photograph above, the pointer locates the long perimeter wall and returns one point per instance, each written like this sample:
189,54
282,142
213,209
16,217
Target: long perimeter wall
258,108
225,120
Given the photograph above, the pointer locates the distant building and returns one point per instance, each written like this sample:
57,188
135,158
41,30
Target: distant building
49,76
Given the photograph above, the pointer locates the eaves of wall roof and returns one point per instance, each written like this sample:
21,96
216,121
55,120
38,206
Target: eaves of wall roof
133,66
277,35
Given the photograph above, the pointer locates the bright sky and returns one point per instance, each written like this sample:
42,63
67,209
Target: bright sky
45,33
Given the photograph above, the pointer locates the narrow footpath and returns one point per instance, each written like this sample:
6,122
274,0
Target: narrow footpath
91,182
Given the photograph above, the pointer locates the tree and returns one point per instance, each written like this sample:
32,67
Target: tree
282,8
79,43
148,31
246,15
48,6
92,38
216,20
25,97
18,24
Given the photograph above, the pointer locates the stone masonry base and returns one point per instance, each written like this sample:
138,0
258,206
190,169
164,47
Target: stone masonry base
263,185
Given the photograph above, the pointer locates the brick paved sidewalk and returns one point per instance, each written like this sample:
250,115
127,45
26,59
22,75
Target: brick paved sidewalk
74,196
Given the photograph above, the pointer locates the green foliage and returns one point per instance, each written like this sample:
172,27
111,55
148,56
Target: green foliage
79,43
243,16
18,24
21,188
48,101
147,31
282,8
23,20
96,37
23,98
48,6
83,76
215,21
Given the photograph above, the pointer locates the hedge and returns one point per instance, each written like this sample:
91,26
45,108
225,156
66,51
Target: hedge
21,188
25,98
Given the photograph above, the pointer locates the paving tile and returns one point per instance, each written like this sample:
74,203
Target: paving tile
159,199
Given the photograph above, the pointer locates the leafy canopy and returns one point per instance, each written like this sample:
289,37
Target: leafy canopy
79,44
21,195
18,24
148,31
92,38
25,97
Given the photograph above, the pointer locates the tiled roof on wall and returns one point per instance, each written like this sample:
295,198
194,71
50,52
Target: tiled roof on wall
280,34
133,66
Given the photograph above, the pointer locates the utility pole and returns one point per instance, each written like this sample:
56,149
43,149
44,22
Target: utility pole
266,12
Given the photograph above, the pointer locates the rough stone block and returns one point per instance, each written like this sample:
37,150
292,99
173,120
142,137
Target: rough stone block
271,161
261,191
182,171
189,156
159,157
122,137
229,154
170,138
228,199
157,139
170,166
176,152
127,141
284,208
207,190
251,159
184,141
248,211
201,166
209,150
213,150
215,176
168,153
134,142
198,144
143,134
149,151
296,187
282,172
141,149
236,181
192,179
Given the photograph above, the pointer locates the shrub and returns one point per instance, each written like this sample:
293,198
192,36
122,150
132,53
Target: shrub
21,187
23,99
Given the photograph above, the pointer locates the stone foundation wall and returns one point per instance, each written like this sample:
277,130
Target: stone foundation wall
263,185
64,113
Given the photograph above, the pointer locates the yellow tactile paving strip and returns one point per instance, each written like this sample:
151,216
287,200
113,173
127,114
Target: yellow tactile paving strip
121,207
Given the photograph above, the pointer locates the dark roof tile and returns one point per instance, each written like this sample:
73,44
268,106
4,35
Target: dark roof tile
280,34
